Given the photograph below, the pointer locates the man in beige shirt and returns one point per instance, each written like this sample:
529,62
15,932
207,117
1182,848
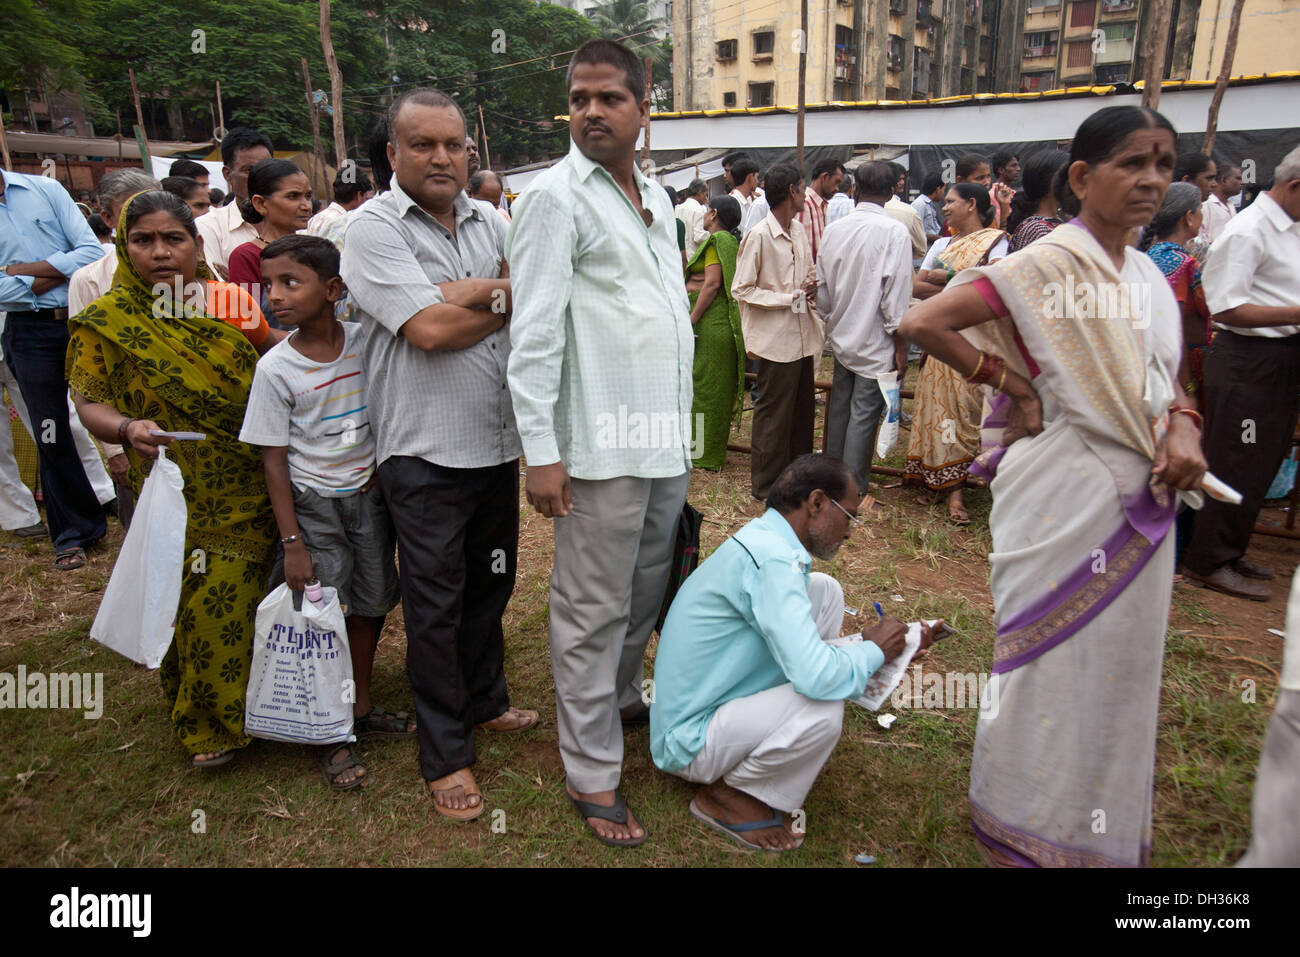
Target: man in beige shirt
901,212
223,228
776,285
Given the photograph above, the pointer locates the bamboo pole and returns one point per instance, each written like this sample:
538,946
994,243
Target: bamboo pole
482,125
803,78
141,134
1225,71
318,151
4,144
336,85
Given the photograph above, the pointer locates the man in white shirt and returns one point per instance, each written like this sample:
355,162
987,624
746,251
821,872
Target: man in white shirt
1252,377
691,212
864,285
349,194
744,173
223,228
1218,210
898,210
601,343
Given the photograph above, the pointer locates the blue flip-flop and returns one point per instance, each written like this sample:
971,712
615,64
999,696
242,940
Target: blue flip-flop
734,831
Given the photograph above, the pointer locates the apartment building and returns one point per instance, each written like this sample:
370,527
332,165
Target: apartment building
1079,43
1267,40
745,53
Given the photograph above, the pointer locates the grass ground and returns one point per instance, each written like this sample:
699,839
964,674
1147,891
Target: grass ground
117,791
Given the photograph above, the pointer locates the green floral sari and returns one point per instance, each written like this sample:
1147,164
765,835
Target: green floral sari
189,371
719,359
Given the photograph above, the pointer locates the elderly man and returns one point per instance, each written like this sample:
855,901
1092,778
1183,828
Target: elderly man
691,212
601,338
865,284
775,284
426,268
44,239
1252,377
748,694
224,229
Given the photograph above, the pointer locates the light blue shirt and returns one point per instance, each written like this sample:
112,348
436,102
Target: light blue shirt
929,214
742,623
839,206
601,343
39,221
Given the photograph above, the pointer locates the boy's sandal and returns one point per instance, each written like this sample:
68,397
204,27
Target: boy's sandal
617,812
70,558
331,771
383,724
462,778
221,757
512,719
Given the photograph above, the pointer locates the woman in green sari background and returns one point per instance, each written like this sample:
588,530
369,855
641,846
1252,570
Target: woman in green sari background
139,362
719,346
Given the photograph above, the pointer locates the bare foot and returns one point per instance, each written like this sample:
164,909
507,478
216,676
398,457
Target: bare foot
609,829
731,806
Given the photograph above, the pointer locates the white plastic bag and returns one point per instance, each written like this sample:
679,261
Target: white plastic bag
300,686
887,435
138,613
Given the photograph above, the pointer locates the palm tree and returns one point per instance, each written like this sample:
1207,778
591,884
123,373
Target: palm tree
631,22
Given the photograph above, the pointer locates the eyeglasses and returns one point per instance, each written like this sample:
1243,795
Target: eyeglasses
853,519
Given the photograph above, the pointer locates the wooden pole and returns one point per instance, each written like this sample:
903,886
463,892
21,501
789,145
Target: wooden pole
221,114
645,147
482,125
4,144
141,135
803,79
336,85
318,152
1157,50
1225,71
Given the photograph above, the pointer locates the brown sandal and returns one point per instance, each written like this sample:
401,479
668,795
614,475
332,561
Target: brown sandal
464,779
511,720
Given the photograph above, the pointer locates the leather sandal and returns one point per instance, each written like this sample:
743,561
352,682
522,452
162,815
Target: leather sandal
383,724
331,771
464,779
511,720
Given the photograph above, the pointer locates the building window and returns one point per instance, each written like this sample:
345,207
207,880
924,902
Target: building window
763,44
729,99
1118,32
1037,82
1083,14
1079,53
1041,6
760,94
895,53
1042,43
1113,73
1118,6
726,49
898,6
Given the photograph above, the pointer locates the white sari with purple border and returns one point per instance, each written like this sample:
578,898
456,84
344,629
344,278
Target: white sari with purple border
1082,562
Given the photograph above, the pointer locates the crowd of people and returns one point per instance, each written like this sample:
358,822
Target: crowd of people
369,373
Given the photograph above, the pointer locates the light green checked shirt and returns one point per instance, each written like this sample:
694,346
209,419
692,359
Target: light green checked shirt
601,344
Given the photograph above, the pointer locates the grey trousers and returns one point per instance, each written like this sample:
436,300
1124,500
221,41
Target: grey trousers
1275,824
852,420
613,553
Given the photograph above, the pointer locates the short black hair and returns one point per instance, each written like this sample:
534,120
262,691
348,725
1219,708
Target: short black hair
804,476
614,54
969,164
188,168
345,192
181,186
217,195
932,182
741,169
1000,161
422,96
243,138
101,229
898,169
779,179
875,178
315,252
829,165
731,158
377,150
1190,164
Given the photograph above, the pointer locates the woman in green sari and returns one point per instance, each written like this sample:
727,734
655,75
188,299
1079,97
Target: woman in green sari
140,361
719,347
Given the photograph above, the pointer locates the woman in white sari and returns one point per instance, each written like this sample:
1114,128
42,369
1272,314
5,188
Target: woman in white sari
1079,337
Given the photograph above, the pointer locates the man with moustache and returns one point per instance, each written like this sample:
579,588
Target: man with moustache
601,332
425,266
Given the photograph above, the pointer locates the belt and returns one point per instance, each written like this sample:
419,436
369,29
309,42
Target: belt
59,314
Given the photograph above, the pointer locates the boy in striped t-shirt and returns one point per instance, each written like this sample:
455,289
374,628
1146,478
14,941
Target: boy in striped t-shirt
307,410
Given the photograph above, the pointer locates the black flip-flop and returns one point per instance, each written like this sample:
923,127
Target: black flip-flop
616,812
77,554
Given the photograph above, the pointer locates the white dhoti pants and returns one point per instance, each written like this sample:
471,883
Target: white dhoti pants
773,744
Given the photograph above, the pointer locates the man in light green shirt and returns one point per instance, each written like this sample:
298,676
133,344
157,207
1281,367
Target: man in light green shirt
601,353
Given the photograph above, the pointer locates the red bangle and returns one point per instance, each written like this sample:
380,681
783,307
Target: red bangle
1200,422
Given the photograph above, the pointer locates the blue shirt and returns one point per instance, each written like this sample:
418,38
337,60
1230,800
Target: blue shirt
929,214
39,221
742,623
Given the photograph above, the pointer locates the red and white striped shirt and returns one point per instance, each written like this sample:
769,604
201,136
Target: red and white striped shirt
813,218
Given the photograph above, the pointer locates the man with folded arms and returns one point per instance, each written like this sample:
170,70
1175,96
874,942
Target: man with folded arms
748,695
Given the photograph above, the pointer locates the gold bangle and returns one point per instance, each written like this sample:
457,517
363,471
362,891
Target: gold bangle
1002,380
976,371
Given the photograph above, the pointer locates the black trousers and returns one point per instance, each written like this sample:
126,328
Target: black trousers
784,418
36,347
457,539
1252,385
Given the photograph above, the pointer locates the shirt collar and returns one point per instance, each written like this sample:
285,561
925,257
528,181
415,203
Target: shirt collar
811,195
464,208
1275,214
774,225
12,178
774,522
584,166
870,207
